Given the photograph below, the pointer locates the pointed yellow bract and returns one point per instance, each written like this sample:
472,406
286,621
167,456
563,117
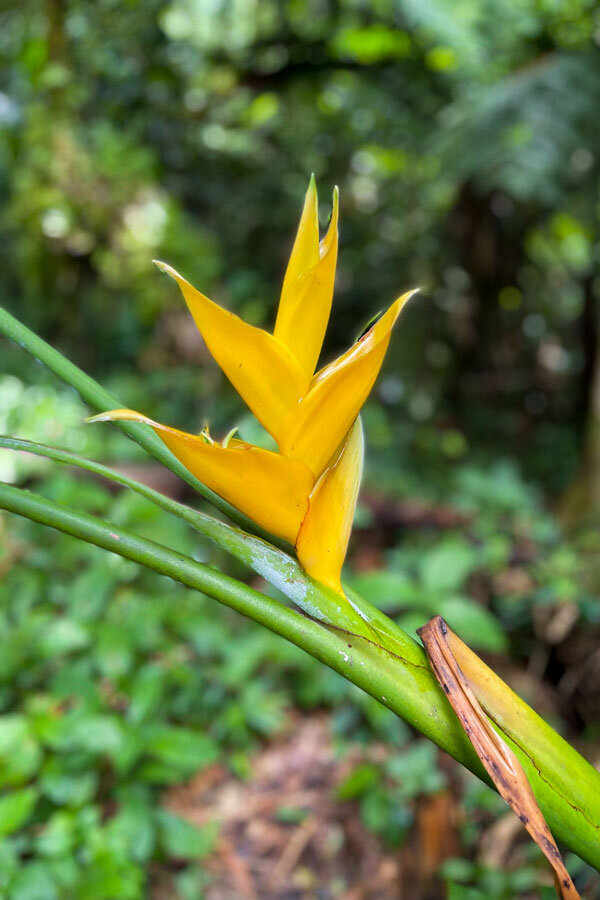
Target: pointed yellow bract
260,367
305,252
271,489
337,393
306,493
323,537
306,303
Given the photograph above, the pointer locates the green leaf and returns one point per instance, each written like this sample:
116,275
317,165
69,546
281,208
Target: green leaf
461,892
382,813
445,566
20,753
95,734
180,839
133,829
110,875
290,815
9,864
33,881
113,652
146,692
371,44
58,836
90,591
415,770
62,636
181,750
358,782
65,872
192,882
15,809
63,785
456,869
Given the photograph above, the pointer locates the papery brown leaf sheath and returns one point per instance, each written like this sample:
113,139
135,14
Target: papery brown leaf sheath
500,762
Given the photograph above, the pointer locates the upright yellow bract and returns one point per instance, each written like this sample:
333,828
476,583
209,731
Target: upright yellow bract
305,493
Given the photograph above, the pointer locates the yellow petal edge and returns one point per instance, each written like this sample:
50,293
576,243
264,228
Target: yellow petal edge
264,372
305,252
324,534
305,304
337,393
270,488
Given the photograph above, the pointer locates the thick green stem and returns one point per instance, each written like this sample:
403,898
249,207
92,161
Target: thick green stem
405,684
412,690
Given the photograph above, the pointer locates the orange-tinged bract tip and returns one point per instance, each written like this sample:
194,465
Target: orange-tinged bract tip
306,493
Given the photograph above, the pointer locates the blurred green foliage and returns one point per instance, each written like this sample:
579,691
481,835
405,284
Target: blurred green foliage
464,137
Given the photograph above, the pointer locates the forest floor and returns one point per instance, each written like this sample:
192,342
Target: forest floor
286,835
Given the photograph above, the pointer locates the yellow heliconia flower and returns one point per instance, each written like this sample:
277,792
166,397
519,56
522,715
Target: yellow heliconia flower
305,493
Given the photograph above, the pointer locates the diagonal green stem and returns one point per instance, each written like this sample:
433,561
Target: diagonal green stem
566,786
100,399
407,687
278,568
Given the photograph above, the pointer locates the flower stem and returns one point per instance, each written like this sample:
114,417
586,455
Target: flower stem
568,795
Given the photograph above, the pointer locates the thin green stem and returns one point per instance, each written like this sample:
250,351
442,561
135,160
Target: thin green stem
100,399
278,568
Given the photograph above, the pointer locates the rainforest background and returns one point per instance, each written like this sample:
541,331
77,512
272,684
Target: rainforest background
153,745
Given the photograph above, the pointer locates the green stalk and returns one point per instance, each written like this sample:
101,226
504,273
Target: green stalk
412,691
101,400
566,786
278,568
